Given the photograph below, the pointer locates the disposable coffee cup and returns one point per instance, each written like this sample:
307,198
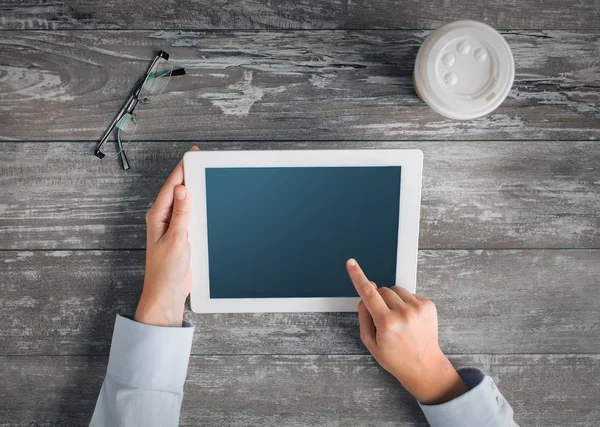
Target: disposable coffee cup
464,70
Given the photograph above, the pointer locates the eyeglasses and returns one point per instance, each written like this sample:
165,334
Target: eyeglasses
150,87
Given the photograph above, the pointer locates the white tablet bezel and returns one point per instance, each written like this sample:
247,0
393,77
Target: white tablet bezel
195,164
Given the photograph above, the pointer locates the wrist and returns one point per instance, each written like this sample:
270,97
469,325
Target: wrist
159,311
437,381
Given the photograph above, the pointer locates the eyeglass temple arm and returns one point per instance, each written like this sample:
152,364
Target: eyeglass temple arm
122,155
129,105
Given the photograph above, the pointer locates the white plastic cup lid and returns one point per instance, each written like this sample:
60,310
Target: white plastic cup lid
464,70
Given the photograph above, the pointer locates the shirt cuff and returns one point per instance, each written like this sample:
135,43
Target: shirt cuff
153,357
474,408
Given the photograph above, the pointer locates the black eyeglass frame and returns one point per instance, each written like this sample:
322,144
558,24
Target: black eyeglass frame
129,108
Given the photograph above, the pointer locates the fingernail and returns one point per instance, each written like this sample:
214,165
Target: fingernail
179,193
351,262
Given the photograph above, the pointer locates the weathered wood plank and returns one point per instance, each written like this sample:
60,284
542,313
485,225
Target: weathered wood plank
287,14
298,391
354,391
475,195
546,385
523,301
309,85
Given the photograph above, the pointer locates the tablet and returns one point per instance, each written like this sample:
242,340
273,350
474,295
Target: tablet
271,230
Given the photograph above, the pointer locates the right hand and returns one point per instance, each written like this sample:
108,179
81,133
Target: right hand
400,330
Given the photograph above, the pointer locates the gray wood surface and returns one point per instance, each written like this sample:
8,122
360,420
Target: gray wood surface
304,85
510,240
289,14
518,301
495,194
299,391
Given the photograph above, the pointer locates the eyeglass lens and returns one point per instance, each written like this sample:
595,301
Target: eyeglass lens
156,82
126,128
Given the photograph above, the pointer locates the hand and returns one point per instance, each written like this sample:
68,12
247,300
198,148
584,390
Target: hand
400,330
168,278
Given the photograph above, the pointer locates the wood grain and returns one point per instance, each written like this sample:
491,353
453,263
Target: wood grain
542,384
521,301
504,198
475,195
287,14
272,85
296,391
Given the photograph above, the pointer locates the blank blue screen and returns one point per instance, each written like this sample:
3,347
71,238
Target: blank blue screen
287,232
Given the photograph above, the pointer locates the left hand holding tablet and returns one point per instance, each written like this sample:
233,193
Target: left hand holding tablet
400,330
168,279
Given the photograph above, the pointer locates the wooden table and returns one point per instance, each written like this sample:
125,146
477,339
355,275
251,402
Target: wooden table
510,230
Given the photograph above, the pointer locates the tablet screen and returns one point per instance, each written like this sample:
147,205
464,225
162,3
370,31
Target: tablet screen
287,232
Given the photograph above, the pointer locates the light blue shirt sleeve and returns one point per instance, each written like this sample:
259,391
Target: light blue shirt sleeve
482,406
144,380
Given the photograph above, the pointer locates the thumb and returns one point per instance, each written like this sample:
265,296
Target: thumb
182,210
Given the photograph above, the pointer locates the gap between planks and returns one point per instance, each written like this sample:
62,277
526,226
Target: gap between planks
222,355
432,249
